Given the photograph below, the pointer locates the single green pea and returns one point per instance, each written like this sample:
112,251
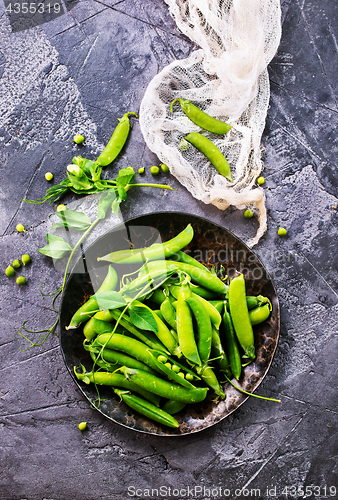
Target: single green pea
78,139
21,280
25,259
248,213
141,170
181,374
9,271
162,359
16,264
282,231
189,376
168,365
165,169
154,170
82,426
20,228
260,181
175,368
61,208
49,176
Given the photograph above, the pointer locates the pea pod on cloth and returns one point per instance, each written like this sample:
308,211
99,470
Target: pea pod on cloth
201,118
240,315
88,308
149,410
154,252
212,152
116,141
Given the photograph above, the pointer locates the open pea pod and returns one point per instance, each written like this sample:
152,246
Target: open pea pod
171,375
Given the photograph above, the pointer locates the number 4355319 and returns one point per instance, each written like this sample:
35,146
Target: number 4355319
32,8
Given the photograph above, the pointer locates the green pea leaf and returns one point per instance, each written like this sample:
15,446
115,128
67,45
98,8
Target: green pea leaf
73,219
80,181
125,176
105,202
56,248
142,318
109,300
122,192
116,205
51,237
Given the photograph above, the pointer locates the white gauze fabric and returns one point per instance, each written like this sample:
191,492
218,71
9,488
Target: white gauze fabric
227,78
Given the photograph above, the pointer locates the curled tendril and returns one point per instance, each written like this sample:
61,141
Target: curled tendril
40,340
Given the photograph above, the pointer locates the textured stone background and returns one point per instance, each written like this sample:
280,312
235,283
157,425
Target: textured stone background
80,72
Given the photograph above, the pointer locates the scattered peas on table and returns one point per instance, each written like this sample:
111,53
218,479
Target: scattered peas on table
78,139
248,213
21,280
25,259
49,176
141,170
154,170
158,367
282,231
9,271
20,228
16,264
61,208
260,180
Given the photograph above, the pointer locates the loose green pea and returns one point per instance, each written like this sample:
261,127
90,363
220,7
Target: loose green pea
25,259
9,271
168,365
82,426
165,169
20,228
162,359
141,170
282,231
60,208
16,264
260,181
21,280
248,213
78,139
154,170
49,176
175,368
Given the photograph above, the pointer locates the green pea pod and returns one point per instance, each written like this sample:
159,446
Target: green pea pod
115,380
204,328
158,296
259,314
202,277
215,316
171,375
185,329
187,259
149,410
209,377
116,141
218,304
240,315
218,353
168,312
123,359
128,345
147,337
232,345
211,151
256,301
88,308
164,388
201,118
154,252
173,407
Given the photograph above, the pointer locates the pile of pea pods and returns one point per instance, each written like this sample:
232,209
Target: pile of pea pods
193,330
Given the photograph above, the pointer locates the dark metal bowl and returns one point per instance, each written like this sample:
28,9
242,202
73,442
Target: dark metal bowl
213,245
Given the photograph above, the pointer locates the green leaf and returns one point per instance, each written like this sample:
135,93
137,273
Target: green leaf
109,300
142,318
116,205
51,237
122,192
105,202
56,249
73,220
125,176
80,181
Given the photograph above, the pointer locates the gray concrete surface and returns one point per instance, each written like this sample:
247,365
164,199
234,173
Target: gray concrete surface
80,72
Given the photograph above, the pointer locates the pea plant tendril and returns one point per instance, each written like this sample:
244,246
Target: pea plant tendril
58,248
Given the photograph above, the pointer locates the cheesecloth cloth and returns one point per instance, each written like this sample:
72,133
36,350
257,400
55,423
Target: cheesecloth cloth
227,78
